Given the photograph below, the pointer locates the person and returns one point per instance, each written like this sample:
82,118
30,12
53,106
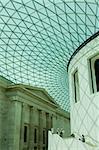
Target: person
61,133
72,135
57,131
83,138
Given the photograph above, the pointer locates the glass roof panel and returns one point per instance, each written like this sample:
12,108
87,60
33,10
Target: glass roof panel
37,39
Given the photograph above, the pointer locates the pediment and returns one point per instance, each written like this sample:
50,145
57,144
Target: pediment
41,93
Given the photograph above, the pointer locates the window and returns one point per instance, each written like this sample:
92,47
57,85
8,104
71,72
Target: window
94,69
35,148
44,136
96,65
25,133
76,86
43,148
35,135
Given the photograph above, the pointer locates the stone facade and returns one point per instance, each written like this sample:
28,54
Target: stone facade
85,112
26,114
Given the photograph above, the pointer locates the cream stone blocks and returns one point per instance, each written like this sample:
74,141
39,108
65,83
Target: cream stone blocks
84,113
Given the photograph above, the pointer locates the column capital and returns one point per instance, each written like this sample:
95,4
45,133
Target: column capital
31,107
40,111
24,104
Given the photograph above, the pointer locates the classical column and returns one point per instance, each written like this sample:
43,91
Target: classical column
14,125
22,127
47,128
40,130
49,125
31,130
49,121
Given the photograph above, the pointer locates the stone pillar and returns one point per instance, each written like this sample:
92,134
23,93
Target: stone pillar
40,145
49,121
14,125
54,122
48,126
22,127
31,130
4,128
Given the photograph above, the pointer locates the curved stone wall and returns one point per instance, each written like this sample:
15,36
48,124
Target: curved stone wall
84,113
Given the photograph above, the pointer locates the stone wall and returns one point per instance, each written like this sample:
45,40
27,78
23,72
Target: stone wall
20,110
84,113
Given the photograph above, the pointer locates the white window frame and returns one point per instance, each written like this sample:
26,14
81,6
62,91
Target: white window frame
76,90
92,71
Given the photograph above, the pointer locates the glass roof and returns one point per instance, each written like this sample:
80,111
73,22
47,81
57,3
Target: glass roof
38,37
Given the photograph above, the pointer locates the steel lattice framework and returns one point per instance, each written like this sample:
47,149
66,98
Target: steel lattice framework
38,37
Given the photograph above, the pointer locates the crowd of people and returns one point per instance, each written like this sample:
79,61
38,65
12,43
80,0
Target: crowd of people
60,132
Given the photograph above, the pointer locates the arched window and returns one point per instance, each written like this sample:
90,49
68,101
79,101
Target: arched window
94,72
96,66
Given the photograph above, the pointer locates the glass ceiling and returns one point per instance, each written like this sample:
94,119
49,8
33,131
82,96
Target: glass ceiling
38,37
